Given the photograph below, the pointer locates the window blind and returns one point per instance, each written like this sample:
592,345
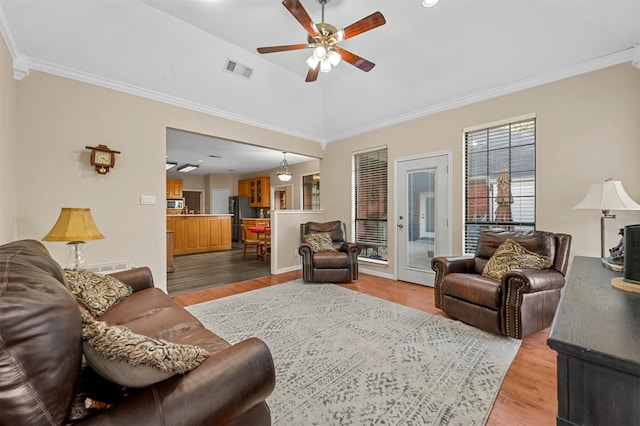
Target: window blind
369,202
500,179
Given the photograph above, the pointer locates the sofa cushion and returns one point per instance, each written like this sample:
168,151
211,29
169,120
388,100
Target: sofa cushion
331,260
473,288
320,242
37,315
97,293
134,360
511,255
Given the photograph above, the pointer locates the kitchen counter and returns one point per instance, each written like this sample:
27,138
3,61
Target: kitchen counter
200,233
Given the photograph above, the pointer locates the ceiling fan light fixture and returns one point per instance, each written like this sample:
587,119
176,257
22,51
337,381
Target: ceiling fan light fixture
312,62
334,57
429,3
319,52
325,65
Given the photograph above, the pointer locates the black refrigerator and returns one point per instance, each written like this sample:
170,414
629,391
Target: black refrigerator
239,208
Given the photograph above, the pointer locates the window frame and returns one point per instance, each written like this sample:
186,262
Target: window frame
526,183
380,240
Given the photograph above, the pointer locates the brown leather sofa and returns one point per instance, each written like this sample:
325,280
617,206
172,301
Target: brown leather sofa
331,266
522,303
45,381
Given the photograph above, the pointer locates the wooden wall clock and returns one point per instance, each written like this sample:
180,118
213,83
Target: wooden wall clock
103,158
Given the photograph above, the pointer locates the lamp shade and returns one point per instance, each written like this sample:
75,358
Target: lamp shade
74,224
608,195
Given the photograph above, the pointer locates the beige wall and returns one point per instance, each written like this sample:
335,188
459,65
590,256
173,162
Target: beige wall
8,146
588,129
58,117
285,231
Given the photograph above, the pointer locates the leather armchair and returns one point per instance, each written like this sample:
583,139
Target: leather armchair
522,303
329,266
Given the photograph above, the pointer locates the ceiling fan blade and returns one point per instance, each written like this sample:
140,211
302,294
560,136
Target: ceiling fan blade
284,48
354,59
301,15
365,24
312,75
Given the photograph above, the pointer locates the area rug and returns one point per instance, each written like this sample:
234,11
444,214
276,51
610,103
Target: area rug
346,358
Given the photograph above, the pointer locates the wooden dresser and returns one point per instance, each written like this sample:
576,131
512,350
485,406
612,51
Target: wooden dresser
596,332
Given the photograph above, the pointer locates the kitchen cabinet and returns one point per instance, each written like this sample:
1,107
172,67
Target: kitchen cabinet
255,222
174,188
199,233
243,187
259,191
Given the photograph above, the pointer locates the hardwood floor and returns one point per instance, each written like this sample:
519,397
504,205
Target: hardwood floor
528,394
200,271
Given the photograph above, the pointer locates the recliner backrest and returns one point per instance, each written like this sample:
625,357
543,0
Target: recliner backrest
541,242
336,228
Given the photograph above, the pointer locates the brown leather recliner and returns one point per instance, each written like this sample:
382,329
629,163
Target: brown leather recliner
522,303
329,266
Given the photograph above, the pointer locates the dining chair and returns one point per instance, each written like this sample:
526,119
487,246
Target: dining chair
249,242
265,245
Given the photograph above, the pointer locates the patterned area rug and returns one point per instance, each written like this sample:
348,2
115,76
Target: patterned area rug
346,358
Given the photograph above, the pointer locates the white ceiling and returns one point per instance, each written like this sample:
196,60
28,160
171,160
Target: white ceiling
427,59
217,156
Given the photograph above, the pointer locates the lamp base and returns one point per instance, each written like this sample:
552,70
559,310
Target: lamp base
607,263
76,260
620,283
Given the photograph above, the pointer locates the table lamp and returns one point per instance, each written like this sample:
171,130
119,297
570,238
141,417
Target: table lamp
607,196
76,226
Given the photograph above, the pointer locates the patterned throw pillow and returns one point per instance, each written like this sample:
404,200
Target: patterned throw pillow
511,255
97,293
320,241
134,360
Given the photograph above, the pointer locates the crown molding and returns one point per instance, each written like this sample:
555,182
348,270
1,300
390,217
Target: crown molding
22,65
7,34
617,58
61,71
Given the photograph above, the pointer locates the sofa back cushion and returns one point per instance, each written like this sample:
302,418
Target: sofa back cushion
540,242
335,228
40,337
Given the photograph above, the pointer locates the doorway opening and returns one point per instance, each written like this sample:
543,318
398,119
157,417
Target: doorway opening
194,201
282,198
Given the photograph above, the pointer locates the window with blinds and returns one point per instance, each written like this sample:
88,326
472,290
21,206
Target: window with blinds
369,203
500,179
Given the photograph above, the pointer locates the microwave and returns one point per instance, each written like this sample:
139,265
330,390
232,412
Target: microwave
175,204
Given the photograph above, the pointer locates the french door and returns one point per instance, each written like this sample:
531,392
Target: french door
422,215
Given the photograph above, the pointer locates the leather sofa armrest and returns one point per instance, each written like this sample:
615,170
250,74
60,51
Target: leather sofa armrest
306,252
447,265
138,278
532,280
352,249
454,264
515,284
227,385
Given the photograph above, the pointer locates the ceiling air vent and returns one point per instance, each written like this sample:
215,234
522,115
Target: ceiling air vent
237,68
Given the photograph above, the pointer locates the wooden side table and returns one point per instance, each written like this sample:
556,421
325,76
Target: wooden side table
596,332
170,267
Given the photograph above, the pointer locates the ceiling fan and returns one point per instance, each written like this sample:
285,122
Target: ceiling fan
324,39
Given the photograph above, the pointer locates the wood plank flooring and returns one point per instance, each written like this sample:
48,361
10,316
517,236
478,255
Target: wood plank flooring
528,394
204,270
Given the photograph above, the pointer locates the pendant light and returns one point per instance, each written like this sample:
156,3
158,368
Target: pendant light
283,173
